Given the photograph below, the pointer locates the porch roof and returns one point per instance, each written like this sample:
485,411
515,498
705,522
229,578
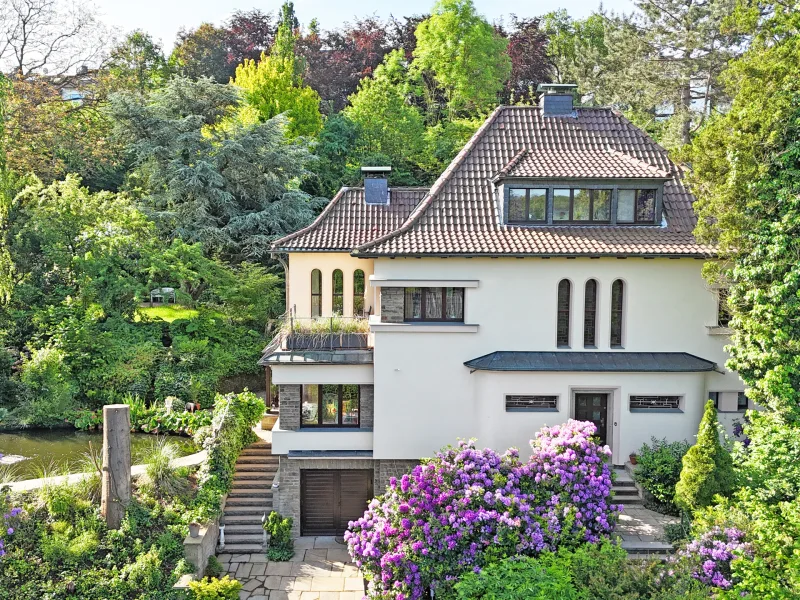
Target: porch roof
642,362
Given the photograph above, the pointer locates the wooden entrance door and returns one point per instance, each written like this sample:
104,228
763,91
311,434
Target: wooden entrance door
594,408
330,499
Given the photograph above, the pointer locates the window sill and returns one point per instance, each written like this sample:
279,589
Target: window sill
548,410
717,330
335,429
655,410
432,327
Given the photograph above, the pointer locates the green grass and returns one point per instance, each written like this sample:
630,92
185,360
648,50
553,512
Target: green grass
168,312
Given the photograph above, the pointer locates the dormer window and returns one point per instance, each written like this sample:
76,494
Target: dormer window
602,204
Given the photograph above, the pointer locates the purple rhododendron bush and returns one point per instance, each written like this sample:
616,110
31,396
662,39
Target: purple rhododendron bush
466,508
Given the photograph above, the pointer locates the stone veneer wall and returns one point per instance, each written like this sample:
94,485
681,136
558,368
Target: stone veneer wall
392,305
290,397
386,469
290,406
367,406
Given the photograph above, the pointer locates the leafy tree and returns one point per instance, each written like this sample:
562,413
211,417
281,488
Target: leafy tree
460,56
202,52
707,466
530,66
576,48
249,33
388,125
206,178
335,152
137,63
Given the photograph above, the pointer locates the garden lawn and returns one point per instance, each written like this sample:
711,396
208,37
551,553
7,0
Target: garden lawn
167,312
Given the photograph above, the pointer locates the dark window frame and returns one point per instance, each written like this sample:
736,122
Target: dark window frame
742,407
443,303
590,315
358,309
337,297
572,220
316,295
563,314
714,396
617,315
655,403
535,402
636,219
340,412
528,206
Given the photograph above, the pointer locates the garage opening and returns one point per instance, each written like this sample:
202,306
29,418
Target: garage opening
330,499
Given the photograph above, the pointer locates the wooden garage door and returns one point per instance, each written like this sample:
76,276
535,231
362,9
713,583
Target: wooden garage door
330,499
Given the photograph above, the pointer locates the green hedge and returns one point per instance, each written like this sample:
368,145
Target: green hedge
235,415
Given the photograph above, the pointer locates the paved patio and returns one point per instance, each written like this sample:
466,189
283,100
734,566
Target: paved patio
320,570
639,524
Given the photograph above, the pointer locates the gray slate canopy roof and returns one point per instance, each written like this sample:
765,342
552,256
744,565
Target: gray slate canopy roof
628,362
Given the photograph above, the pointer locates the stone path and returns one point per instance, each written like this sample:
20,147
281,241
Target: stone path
642,532
320,570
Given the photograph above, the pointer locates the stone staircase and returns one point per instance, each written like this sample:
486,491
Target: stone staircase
250,499
643,545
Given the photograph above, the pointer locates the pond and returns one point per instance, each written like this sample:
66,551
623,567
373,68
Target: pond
57,449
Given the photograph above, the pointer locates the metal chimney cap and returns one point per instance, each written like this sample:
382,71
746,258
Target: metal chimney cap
556,88
376,170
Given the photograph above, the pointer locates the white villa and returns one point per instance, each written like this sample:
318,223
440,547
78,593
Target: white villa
550,272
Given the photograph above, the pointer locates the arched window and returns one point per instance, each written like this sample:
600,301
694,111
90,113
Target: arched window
338,292
590,314
316,293
562,325
617,304
358,293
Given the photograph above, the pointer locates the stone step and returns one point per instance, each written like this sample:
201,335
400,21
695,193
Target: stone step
625,483
256,452
632,501
256,469
248,509
249,500
244,538
264,460
261,495
253,481
248,519
260,444
245,528
647,548
625,491
253,476
242,548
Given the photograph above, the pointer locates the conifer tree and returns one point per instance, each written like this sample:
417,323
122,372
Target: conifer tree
707,466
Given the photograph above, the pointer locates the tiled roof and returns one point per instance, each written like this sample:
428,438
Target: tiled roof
348,222
600,163
460,214
628,362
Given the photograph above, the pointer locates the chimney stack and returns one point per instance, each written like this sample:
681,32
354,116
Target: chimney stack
556,99
376,185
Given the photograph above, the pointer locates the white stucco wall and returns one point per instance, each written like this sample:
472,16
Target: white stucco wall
302,263
321,373
309,439
425,397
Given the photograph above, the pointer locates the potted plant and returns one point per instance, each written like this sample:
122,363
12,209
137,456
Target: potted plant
194,529
632,458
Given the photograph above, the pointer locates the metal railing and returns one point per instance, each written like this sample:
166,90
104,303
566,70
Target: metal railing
322,333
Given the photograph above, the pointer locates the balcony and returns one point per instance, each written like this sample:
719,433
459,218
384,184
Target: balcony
325,333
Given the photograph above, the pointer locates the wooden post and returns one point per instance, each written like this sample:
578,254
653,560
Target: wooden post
116,484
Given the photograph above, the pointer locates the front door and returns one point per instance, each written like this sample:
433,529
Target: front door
594,408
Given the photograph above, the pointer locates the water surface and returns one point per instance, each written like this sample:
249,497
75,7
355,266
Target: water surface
57,450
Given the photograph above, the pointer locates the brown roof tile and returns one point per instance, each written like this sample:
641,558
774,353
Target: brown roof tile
460,214
348,222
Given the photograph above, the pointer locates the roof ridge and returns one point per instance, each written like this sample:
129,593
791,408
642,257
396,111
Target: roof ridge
315,222
438,184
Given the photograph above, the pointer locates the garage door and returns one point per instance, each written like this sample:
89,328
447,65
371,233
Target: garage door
330,499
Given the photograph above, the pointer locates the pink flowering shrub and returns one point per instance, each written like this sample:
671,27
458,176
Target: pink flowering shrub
466,508
709,556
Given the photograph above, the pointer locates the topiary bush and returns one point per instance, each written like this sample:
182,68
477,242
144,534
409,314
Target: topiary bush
281,544
658,470
707,466
466,508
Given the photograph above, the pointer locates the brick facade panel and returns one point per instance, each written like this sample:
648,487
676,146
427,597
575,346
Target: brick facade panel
290,406
392,310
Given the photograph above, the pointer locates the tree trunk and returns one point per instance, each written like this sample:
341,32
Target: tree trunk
686,114
116,483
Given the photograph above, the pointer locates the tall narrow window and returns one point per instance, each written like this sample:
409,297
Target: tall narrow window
590,314
358,293
338,292
617,303
562,325
316,293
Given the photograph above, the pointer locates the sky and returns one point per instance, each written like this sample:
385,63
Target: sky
163,18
